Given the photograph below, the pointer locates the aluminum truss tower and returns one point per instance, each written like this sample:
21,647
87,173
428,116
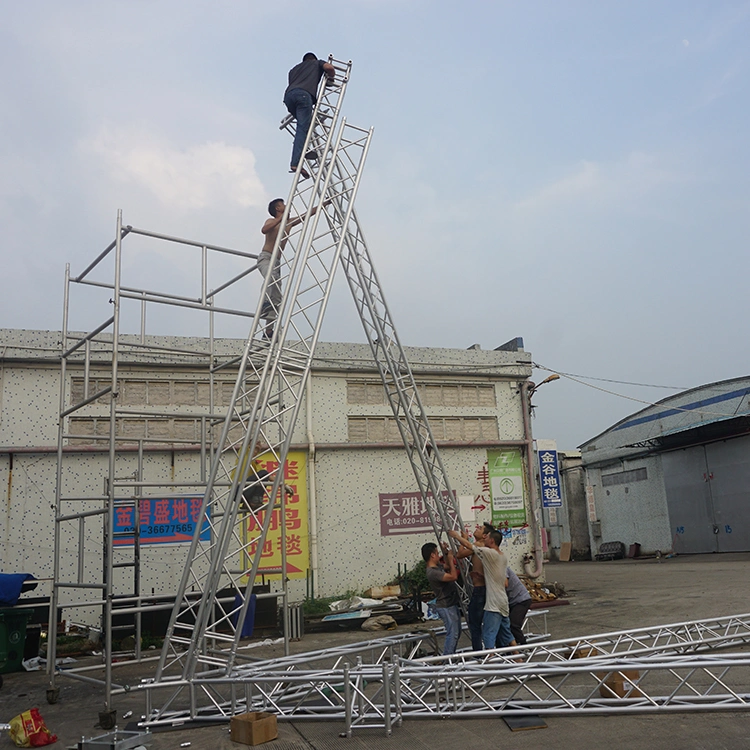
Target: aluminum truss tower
319,231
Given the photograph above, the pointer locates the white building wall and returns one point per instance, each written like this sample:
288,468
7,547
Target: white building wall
349,476
353,555
633,511
30,403
27,519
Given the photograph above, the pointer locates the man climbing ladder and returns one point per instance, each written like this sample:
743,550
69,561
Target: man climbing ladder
300,97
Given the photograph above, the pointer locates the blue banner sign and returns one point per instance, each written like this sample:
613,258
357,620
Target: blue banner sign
164,520
549,473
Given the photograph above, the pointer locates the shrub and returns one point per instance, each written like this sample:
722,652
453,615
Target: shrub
415,579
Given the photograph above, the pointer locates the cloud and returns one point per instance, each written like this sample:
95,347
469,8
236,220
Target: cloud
719,86
600,184
197,177
725,22
583,181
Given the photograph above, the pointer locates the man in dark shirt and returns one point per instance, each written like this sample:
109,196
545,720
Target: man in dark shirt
258,485
442,579
300,97
519,601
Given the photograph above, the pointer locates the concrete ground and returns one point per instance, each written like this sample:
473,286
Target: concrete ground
603,597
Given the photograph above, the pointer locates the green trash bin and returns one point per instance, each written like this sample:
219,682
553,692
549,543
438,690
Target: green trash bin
12,638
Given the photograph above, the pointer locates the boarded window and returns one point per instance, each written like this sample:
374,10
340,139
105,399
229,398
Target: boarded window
360,392
134,392
96,431
159,393
432,394
624,477
183,394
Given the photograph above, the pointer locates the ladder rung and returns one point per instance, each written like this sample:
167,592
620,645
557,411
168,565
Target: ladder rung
178,639
219,636
183,626
213,662
270,595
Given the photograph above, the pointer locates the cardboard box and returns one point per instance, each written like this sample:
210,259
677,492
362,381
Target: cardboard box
381,592
253,728
620,684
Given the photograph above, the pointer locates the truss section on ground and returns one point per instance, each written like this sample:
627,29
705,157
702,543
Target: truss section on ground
675,667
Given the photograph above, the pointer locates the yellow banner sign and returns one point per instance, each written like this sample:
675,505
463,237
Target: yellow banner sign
295,521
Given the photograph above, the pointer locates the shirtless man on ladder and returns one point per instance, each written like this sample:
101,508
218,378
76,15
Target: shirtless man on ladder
270,229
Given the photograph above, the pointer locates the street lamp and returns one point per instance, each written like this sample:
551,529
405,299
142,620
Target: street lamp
533,387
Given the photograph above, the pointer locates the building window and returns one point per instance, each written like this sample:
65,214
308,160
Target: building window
624,477
95,431
359,392
156,393
456,429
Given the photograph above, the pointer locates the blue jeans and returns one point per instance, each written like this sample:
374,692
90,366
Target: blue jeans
496,628
476,613
300,106
451,617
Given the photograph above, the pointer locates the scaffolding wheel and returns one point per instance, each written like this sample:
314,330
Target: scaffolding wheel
107,719
52,695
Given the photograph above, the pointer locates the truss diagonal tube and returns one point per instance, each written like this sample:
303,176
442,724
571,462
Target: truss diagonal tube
401,390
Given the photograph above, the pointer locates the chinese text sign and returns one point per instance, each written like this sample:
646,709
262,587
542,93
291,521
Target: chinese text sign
507,489
403,513
295,521
164,520
549,473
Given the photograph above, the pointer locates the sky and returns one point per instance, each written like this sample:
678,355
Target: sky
575,173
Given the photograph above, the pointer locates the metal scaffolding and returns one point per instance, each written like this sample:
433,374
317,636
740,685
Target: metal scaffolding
98,561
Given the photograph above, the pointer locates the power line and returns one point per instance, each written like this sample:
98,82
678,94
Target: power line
575,379
609,380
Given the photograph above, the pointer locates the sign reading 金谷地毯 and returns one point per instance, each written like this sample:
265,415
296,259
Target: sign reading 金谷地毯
549,473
